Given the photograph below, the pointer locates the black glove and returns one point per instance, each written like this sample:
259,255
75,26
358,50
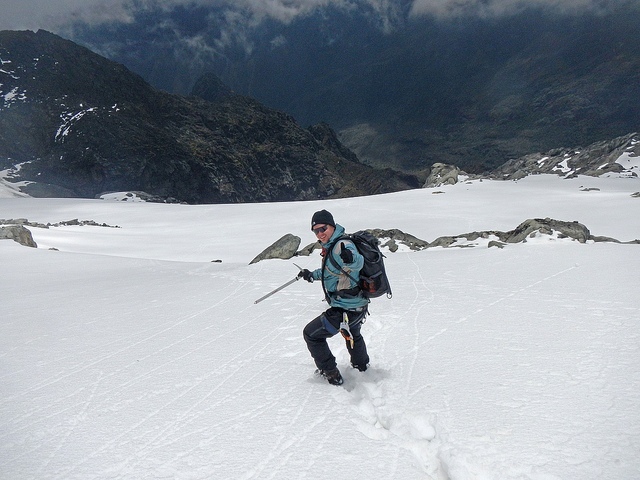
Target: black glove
345,254
306,275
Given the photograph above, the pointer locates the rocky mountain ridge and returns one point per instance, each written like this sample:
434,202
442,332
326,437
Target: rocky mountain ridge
79,125
618,156
592,160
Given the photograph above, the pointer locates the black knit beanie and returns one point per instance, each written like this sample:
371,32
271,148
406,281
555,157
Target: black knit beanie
322,218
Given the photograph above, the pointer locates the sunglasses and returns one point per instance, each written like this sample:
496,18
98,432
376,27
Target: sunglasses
320,229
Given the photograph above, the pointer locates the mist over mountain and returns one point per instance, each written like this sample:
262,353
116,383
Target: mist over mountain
403,89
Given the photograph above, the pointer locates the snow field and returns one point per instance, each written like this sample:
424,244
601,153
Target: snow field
128,354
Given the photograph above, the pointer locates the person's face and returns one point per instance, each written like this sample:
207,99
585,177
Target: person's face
323,232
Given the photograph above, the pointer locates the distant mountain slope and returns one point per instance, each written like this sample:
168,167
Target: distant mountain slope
86,125
468,91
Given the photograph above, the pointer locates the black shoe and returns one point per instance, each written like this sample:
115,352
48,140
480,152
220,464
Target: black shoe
362,368
332,376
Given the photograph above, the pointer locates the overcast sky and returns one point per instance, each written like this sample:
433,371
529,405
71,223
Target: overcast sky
54,14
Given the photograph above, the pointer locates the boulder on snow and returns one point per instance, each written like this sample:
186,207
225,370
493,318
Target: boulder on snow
393,238
547,226
308,250
442,174
19,234
284,248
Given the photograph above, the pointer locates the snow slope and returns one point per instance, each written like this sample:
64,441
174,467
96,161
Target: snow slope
128,354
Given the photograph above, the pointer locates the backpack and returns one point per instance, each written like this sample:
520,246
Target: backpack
373,281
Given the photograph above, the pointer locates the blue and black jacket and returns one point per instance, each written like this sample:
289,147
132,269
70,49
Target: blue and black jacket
341,290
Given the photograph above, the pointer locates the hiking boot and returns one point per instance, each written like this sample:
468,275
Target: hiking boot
362,368
332,376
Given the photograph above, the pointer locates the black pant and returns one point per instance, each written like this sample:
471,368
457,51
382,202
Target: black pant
326,326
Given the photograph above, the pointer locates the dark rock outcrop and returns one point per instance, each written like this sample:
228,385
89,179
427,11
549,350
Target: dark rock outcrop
83,124
210,88
442,174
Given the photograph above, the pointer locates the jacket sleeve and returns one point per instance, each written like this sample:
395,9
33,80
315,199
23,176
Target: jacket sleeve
317,274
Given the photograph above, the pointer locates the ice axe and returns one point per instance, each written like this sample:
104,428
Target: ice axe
345,331
280,287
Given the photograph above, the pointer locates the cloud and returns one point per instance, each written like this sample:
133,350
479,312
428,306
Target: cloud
34,14
48,14
498,8
55,14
